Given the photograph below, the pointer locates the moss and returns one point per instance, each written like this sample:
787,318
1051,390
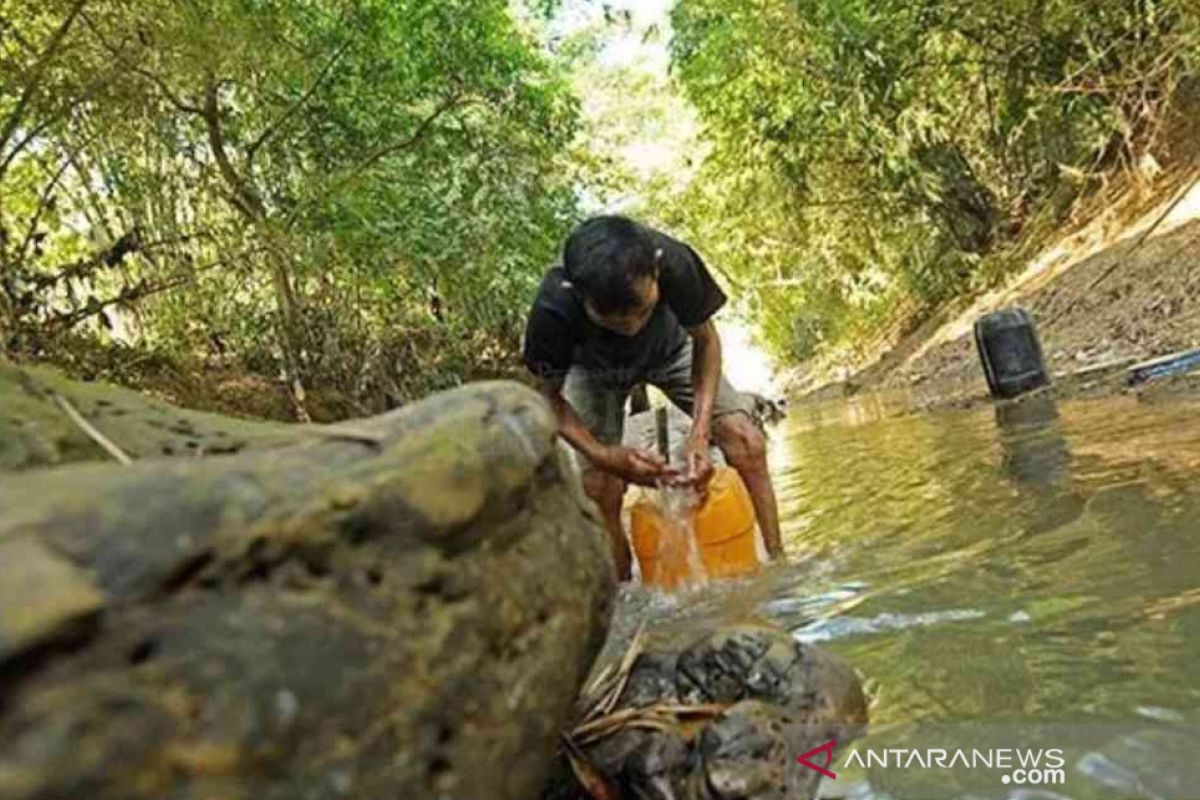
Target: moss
35,431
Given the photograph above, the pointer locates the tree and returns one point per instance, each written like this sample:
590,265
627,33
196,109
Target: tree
869,154
294,182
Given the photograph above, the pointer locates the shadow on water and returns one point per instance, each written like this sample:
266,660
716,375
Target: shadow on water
1017,563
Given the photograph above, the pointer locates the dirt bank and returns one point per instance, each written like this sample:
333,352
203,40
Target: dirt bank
1109,295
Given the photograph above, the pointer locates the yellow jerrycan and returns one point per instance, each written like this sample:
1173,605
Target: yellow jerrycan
725,536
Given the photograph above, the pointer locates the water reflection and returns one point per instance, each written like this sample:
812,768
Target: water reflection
1035,454
1037,459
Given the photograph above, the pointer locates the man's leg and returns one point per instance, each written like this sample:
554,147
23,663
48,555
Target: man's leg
599,400
745,449
608,492
735,432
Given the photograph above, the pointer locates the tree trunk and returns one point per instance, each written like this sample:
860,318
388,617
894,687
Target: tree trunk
248,201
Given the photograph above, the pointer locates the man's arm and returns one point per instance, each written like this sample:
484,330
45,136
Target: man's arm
706,375
624,462
570,426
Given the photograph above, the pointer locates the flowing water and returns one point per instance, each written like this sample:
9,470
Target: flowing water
1037,562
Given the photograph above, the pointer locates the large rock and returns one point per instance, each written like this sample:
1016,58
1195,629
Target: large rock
407,612
777,698
37,429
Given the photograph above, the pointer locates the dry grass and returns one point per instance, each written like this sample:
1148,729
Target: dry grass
601,719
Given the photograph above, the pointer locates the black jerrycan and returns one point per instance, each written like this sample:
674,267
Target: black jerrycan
1010,352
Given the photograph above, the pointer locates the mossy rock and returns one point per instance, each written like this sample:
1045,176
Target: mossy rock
36,430
408,613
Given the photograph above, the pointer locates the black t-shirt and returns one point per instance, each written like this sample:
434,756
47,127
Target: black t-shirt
560,334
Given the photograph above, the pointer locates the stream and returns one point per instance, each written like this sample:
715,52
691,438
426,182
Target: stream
1035,564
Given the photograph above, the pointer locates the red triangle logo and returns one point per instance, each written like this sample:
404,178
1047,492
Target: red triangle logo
827,749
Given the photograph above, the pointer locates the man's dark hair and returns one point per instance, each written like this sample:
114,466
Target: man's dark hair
604,257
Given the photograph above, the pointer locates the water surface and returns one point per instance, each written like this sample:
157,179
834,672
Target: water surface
1031,562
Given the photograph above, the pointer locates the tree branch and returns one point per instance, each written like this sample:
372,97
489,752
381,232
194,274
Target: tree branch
44,199
130,242
22,143
143,289
383,152
43,203
38,70
159,82
417,134
278,125
41,127
243,197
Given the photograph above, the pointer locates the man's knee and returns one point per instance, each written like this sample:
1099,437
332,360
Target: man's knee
604,489
741,441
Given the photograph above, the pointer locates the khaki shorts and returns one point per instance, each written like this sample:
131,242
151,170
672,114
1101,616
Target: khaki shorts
598,396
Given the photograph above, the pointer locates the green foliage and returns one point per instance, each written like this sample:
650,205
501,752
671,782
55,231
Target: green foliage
359,195
875,152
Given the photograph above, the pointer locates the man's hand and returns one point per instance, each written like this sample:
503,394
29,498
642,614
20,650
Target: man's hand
699,467
635,466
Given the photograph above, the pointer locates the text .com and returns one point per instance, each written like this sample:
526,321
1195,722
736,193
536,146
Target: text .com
1017,766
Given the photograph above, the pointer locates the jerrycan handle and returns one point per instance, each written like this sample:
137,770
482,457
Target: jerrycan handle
664,435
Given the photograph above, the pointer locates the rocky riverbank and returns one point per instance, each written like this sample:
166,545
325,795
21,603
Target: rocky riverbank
722,718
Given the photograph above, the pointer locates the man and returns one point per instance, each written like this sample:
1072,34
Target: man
629,305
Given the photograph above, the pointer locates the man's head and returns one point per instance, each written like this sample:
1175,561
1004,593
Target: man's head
613,264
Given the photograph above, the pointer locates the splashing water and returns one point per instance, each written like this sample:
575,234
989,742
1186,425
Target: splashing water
672,510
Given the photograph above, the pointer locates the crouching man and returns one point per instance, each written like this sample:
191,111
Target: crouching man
631,305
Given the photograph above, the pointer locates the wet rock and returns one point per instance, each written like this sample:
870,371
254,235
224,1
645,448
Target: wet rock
781,699
405,614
